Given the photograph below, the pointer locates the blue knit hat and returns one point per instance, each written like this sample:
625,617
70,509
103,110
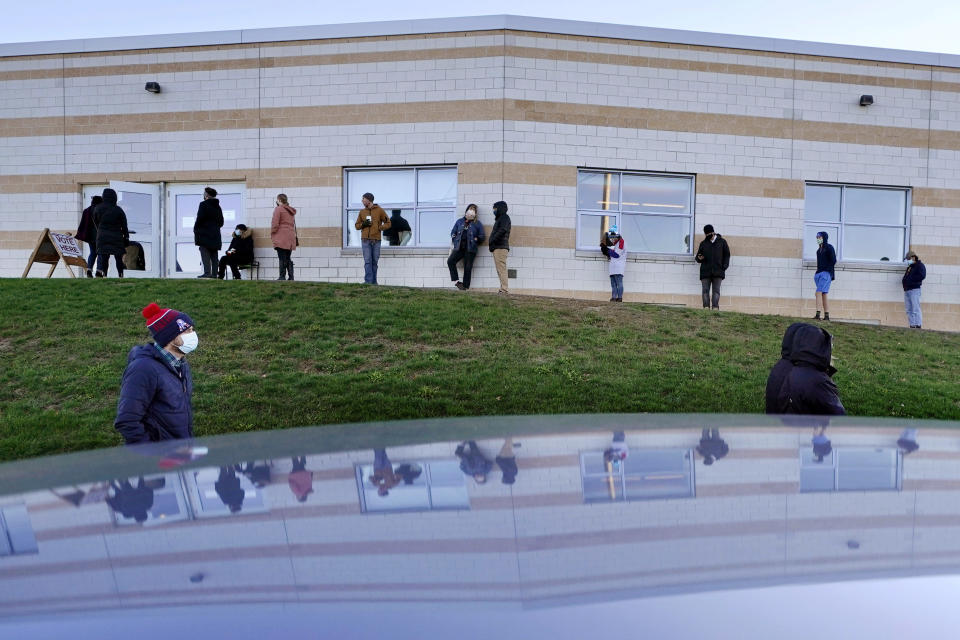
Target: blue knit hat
165,324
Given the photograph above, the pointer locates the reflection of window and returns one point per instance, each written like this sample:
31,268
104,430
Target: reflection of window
864,223
647,474
439,485
850,470
654,211
425,196
168,500
206,502
16,532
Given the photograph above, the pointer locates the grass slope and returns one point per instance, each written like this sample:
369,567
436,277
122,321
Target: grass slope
287,354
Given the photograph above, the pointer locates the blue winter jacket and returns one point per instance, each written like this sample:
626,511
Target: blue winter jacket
154,400
474,231
826,257
914,276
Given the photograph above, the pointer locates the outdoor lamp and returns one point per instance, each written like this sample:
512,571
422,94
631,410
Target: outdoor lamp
865,100
154,87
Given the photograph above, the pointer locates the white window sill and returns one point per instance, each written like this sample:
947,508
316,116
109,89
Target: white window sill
861,266
639,257
387,250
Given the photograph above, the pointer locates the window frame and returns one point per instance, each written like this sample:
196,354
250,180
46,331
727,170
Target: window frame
428,485
841,225
836,458
620,476
618,213
414,245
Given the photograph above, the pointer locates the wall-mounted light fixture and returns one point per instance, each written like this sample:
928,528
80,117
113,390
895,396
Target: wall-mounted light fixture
154,87
866,101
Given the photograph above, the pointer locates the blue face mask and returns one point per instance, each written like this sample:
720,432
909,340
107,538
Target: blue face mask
238,233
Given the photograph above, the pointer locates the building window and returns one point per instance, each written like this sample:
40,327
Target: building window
654,211
851,470
16,532
866,224
646,474
425,197
425,486
148,500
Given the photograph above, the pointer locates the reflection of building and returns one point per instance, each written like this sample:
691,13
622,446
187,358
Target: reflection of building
536,542
576,125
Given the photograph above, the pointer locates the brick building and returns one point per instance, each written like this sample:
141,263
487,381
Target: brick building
576,125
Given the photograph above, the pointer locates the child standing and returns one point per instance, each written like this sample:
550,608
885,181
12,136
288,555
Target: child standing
615,248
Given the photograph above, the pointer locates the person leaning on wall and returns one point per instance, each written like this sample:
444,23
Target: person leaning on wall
912,279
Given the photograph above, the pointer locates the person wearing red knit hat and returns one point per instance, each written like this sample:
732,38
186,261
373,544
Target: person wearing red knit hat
157,387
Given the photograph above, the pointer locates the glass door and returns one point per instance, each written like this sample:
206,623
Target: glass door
183,256
141,203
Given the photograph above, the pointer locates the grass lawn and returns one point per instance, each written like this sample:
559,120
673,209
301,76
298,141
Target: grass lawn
276,355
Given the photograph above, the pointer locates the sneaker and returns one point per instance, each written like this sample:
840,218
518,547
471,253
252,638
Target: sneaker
89,273
817,317
101,274
460,286
826,317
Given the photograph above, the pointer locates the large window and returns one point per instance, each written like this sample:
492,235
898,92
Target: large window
851,469
654,211
16,532
868,224
646,474
425,197
425,486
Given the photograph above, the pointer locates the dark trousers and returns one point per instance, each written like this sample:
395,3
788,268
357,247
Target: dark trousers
92,258
707,283
208,258
229,260
467,258
103,263
286,264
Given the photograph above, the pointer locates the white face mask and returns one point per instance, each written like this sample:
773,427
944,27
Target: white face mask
471,215
238,233
190,341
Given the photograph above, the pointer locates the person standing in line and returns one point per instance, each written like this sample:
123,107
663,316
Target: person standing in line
618,451
821,443
371,222
714,258
87,232
615,248
507,459
499,242
826,260
805,386
466,236
383,477
300,478
157,388
912,279
238,254
283,233
206,232
907,442
712,447
113,236
229,489
473,462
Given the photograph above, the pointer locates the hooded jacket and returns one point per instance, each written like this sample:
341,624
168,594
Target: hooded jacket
826,256
398,225
243,246
500,234
206,228
474,233
283,228
155,401
804,385
914,276
714,258
472,461
111,223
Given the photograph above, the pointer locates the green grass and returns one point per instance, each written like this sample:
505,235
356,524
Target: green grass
276,355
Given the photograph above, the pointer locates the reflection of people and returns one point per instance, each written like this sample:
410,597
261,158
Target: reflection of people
113,236
615,248
206,232
228,488
618,449
399,232
912,279
157,386
826,260
238,254
907,442
712,447
259,474
283,234
87,232
821,443
804,385
714,258
507,461
300,480
131,502
472,461
466,235
383,477
499,242
371,222
409,472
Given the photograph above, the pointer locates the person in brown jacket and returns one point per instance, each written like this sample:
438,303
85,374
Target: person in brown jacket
371,221
283,233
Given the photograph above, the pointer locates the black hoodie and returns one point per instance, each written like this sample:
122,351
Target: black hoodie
500,234
801,381
826,256
714,258
111,223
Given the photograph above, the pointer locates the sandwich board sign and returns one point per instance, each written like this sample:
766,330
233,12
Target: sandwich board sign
52,248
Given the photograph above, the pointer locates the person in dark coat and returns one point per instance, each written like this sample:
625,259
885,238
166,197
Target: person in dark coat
131,502
240,252
805,386
466,235
206,232
499,242
507,461
714,258
912,279
473,462
258,474
228,488
87,232
399,231
157,386
826,261
780,369
821,443
712,447
409,472
113,236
